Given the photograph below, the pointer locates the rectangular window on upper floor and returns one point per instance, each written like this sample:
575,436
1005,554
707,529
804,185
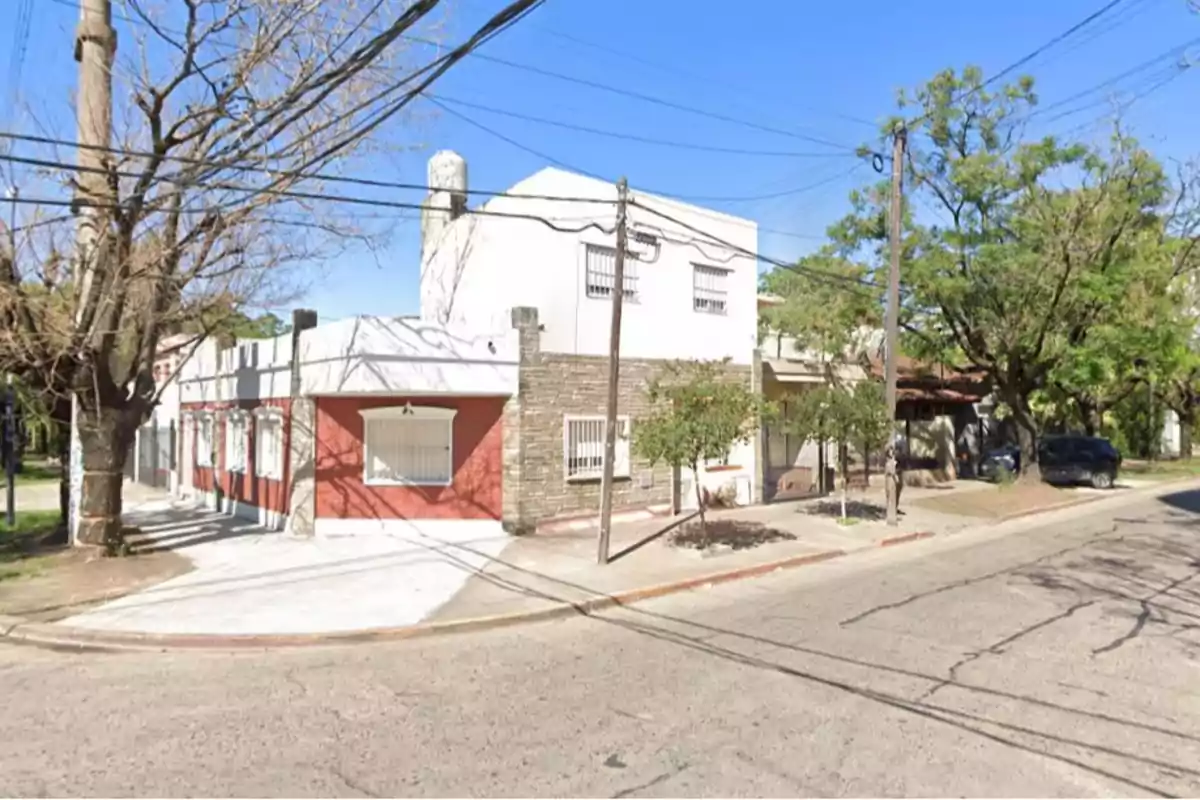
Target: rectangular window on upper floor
600,272
710,289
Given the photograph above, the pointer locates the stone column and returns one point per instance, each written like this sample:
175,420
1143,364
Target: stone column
302,439
516,518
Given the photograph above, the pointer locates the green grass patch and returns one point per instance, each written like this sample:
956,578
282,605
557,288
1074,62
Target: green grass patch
20,543
848,521
1161,469
38,472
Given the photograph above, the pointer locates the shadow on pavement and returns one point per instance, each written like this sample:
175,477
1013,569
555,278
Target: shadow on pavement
699,637
176,529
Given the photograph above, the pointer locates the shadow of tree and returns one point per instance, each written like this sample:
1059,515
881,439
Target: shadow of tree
732,533
855,509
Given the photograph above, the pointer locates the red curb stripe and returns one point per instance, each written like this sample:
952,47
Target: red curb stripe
52,635
63,637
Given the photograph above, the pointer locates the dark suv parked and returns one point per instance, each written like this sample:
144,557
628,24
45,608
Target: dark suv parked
1079,459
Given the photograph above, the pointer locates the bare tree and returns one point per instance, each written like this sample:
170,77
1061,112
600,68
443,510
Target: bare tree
239,116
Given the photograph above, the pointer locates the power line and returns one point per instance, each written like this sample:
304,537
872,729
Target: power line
684,197
1071,31
1023,60
858,284
646,98
634,137
321,176
20,44
595,85
670,69
1169,54
364,201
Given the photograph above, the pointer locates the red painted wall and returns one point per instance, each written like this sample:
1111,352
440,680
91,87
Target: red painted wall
478,458
244,487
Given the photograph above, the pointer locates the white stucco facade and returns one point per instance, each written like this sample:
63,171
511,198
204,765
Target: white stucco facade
476,268
360,356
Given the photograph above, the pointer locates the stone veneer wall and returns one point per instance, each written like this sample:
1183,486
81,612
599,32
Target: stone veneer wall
552,385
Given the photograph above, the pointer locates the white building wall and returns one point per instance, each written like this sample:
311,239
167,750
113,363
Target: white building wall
360,355
483,266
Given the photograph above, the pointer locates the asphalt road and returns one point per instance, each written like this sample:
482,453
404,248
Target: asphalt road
1056,662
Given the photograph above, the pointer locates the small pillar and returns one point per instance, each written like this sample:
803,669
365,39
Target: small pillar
514,514
302,438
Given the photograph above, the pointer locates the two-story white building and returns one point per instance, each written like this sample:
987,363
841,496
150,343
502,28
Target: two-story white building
488,407
542,257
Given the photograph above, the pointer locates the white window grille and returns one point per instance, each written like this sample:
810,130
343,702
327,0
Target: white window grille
268,443
408,446
601,272
710,289
204,441
235,442
583,448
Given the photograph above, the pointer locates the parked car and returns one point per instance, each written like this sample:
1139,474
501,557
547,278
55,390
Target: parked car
1079,459
1002,460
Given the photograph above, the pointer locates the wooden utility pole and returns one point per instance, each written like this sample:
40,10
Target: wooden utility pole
614,376
95,49
892,322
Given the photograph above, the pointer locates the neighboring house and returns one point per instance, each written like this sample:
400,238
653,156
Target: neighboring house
795,468
944,414
488,408
154,457
365,425
685,297
941,414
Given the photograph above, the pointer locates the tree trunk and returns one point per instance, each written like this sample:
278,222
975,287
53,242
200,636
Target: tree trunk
700,506
1187,421
1089,415
1027,435
845,470
105,436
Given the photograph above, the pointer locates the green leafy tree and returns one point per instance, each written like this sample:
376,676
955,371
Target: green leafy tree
826,305
697,414
1020,249
847,415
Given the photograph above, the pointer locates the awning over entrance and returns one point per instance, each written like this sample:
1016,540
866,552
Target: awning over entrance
785,371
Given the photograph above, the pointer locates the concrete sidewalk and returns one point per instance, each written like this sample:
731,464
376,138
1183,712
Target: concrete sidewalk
259,588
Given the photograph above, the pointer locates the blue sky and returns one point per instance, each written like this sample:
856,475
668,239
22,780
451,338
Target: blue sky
798,65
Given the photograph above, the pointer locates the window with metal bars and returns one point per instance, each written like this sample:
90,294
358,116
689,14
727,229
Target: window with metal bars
408,446
710,291
583,448
268,444
235,442
601,272
204,441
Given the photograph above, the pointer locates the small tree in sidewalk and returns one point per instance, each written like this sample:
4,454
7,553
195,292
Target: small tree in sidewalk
841,414
698,413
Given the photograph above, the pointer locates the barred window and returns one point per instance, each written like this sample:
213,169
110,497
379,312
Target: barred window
204,441
601,272
235,442
268,443
408,445
583,448
710,291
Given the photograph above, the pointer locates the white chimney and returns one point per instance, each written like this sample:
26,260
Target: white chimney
447,199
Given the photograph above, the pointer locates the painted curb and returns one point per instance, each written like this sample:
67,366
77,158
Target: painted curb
51,635
60,636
